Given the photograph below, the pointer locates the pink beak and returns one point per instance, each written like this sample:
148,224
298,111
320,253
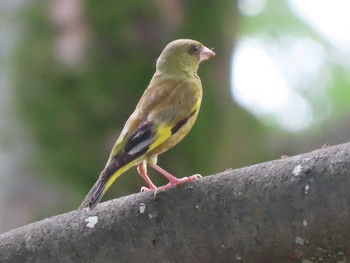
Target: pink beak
206,54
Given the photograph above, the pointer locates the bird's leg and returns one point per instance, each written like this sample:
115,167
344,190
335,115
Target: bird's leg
172,179
142,169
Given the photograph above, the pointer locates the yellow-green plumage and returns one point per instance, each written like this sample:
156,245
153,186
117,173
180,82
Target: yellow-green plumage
164,115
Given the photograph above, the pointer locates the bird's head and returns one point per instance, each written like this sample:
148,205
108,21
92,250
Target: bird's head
183,56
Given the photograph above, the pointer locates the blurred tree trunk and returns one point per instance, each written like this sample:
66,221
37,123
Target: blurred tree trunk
286,210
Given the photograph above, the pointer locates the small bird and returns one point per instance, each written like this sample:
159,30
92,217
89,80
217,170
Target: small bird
164,115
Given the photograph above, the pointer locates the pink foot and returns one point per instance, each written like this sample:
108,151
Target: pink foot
141,168
176,181
146,189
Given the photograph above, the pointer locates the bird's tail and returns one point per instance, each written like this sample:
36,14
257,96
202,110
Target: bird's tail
95,194
106,179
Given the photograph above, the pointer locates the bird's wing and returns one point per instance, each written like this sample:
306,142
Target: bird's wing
164,107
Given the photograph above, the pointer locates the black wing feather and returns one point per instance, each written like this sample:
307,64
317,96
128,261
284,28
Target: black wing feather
140,140
181,123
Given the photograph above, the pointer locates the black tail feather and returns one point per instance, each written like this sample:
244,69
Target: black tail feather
95,194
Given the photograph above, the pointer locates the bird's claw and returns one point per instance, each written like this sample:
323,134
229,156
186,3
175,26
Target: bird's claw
146,189
195,176
171,184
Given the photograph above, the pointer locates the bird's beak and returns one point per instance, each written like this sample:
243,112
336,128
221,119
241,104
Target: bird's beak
206,54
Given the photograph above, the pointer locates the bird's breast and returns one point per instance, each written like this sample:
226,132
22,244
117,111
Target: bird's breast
179,131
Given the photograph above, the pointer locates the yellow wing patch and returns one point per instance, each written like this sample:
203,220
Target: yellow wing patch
163,133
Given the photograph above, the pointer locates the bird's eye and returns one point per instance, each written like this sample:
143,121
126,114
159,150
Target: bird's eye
195,48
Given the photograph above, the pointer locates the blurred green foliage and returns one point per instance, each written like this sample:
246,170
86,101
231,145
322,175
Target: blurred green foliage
76,113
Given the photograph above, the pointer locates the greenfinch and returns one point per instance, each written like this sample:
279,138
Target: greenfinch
164,115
